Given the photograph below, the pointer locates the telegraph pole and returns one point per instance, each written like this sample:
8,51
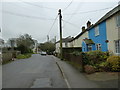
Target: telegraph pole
60,23
47,38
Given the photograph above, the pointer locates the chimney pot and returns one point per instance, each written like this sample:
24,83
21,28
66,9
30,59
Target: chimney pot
88,24
83,28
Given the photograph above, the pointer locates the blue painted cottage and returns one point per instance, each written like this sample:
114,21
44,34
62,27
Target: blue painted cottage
97,38
98,34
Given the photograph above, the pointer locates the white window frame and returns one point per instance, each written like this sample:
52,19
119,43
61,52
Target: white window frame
118,20
117,46
98,46
89,46
97,31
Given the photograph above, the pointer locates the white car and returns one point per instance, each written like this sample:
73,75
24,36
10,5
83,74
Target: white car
43,53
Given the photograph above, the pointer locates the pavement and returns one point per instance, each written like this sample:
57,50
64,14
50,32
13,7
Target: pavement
74,78
105,79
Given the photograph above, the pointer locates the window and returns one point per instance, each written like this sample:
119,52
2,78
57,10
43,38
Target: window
117,46
89,47
118,20
83,48
98,47
96,30
66,45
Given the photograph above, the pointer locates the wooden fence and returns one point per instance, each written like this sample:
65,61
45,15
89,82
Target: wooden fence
75,59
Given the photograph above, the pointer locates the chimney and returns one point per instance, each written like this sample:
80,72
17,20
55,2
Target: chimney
119,3
88,24
83,28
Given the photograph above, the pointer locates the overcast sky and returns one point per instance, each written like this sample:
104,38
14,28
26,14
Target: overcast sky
36,18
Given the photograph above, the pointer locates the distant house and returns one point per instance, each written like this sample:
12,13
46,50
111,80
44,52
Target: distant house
35,47
104,34
65,43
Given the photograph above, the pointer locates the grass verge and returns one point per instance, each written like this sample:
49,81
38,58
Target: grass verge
23,56
5,62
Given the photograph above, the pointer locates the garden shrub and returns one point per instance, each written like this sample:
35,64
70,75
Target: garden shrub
114,62
89,69
96,57
23,56
103,66
76,53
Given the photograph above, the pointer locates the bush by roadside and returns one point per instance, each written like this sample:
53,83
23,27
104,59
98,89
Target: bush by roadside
23,56
114,63
94,61
95,57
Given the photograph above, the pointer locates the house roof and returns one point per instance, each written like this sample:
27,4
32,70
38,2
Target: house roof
68,39
78,35
107,15
88,41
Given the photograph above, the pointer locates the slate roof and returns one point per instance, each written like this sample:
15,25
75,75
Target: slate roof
106,16
68,39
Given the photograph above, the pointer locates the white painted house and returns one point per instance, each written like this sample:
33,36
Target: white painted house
77,41
113,30
65,44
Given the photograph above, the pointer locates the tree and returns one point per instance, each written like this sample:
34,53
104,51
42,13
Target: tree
49,47
25,43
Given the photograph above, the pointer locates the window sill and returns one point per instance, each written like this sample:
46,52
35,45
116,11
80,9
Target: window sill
118,54
96,35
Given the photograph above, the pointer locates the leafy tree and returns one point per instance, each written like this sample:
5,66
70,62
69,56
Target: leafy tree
49,47
25,43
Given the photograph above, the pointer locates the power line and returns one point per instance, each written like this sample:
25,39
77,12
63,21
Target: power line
38,5
53,24
88,11
67,5
72,15
27,16
71,24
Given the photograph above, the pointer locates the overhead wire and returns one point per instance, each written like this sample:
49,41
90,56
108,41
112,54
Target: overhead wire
52,24
38,5
88,11
27,16
72,15
71,23
67,5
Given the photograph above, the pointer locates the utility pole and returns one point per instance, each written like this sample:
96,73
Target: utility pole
60,23
55,39
47,38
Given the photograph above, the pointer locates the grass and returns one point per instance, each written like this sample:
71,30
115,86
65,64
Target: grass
23,56
5,62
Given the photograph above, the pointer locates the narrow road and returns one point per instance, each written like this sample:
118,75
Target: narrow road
22,73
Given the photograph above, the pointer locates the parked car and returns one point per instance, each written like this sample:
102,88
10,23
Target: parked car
43,53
